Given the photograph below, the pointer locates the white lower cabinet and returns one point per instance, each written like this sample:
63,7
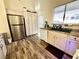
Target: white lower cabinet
57,39
60,41
43,34
51,37
71,46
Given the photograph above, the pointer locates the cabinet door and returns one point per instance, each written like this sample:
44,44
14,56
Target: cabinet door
43,34
27,23
51,37
60,41
71,46
34,22
30,23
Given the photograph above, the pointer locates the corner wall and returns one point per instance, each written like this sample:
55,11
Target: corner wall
3,19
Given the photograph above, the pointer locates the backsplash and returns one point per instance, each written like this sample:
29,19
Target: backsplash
75,27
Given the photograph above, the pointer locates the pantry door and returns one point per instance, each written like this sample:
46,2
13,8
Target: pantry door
34,23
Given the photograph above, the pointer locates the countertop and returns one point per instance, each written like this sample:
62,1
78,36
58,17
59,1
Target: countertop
72,33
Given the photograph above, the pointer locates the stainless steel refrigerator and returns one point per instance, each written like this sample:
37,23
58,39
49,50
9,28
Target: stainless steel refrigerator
17,27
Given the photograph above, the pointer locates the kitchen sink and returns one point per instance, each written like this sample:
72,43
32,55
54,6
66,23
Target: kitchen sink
62,29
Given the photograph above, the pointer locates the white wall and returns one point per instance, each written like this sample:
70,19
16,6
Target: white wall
3,19
47,8
17,5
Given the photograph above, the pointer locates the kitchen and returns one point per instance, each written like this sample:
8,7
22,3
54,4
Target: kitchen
37,26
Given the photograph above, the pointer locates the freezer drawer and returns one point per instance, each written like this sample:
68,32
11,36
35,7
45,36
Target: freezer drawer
18,32
16,20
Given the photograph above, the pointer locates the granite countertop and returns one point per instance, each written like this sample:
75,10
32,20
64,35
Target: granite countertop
72,32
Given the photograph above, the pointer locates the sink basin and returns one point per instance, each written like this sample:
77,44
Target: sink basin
62,30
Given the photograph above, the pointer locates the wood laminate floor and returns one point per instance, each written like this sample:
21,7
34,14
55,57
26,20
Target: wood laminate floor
29,48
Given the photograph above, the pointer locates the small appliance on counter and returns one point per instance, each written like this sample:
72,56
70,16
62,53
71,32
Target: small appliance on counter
46,25
57,26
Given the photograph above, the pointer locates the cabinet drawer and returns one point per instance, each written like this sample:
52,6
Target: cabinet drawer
71,46
60,41
43,34
51,37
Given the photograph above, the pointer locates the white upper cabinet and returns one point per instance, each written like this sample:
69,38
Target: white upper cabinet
72,13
